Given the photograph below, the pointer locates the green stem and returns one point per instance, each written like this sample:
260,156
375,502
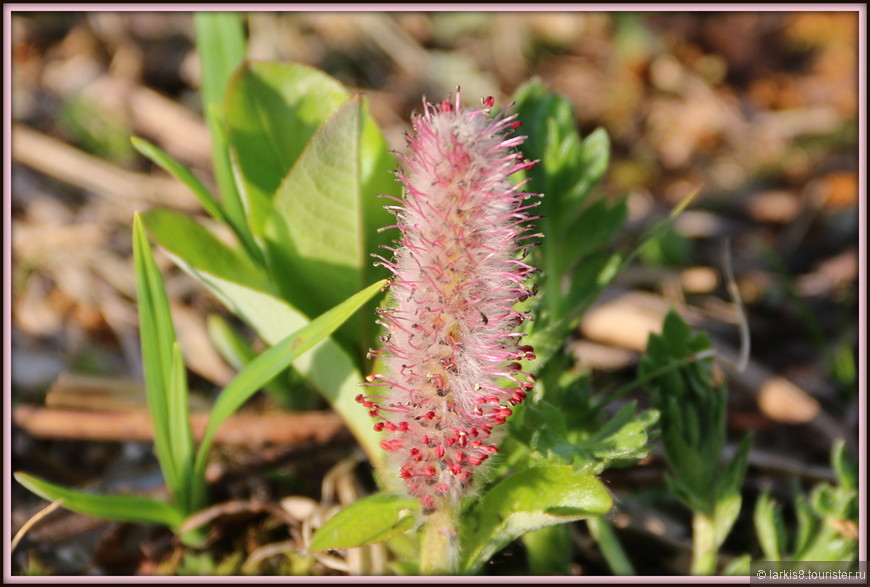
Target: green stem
603,533
704,548
439,546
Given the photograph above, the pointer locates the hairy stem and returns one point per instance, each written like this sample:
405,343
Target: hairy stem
439,546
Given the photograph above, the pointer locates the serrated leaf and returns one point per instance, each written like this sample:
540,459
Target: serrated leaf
372,519
532,499
121,508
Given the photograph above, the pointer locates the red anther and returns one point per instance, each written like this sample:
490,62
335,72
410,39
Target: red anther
428,502
463,441
490,448
429,415
359,398
374,413
481,400
378,427
367,404
439,451
403,426
477,460
370,378
442,488
486,428
476,443
429,471
515,124
513,367
488,102
390,426
391,445
528,385
415,452
458,456
405,474
492,399
446,106
450,441
473,432
455,468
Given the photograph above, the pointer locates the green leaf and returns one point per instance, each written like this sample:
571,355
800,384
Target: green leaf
220,43
769,527
157,336
739,567
180,434
594,161
313,233
246,291
190,242
548,550
532,499
121,508
181,173
372,519
272,110
271,362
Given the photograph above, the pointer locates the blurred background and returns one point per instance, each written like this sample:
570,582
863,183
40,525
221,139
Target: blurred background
758,110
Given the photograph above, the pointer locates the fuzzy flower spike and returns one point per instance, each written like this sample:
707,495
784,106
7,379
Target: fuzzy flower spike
452,326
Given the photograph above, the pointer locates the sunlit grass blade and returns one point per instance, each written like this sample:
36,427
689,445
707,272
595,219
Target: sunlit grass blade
220,42
266,366
157,336
121,508
181,173
180,434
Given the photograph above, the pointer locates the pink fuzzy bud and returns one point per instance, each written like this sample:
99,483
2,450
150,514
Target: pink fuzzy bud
457,277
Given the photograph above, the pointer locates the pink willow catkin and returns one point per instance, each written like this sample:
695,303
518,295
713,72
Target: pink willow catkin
457,274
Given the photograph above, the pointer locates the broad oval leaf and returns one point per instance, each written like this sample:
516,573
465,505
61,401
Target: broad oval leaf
313,234
120,508
372,519
535,498
272,110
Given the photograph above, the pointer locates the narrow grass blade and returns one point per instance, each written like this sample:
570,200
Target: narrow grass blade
180,434
121,508
172,439
182,174
220,42
262,369
157,336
